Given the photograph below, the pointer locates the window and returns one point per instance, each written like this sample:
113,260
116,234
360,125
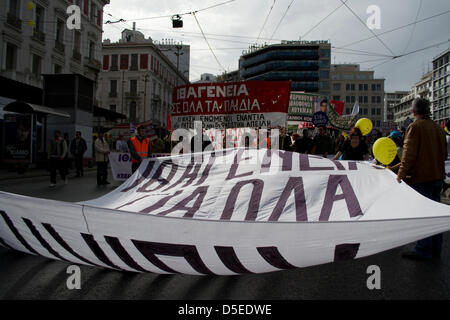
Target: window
93,12
11,57
337,98
14,8
114,62
36,65
123,61
39,21
77,42
347,99
373,111
353,99
374,99
113,107
113,88
133,86
91,50
348,110
350,87
378,111
60,25
134,62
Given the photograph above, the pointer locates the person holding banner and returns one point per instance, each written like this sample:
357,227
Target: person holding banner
423,168
353,148
139,147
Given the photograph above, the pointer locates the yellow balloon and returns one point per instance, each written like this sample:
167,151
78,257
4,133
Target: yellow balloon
385,150
344,134
30,5
365,125
30,23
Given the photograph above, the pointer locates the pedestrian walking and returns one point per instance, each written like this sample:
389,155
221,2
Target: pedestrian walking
422,167
101,158
77,148
57,154
139,147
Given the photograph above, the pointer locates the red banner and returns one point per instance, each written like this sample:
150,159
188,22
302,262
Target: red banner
250,104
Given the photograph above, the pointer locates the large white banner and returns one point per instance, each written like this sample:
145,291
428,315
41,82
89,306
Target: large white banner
231,212
121,164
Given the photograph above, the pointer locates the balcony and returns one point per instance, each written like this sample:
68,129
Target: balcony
93,63
114,68
113,94
60,47
134,68
14,21
156,97
39,36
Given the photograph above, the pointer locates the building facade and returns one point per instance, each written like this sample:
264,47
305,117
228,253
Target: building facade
350,84
206,78
391,99
422,89
305,63
137,79
441,87
178,53
35,40
231,76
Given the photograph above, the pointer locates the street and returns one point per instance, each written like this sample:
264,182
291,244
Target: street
24,276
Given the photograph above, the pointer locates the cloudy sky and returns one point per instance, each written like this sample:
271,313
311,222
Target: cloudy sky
233,27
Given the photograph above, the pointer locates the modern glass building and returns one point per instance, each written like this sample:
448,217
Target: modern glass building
305,63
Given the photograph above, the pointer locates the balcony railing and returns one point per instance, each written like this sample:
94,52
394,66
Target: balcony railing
60,47
114,68
14,21
76,55
131,95
134,68
39,35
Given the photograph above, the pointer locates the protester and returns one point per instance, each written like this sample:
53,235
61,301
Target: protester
295,137
304,144
121,144
139,147
77,148
57,154
285,140
353,148
321,143
422,167
339,143
101,157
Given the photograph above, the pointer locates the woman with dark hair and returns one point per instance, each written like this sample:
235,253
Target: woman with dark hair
354,148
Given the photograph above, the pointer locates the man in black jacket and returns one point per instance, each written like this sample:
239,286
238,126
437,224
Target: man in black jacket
77,149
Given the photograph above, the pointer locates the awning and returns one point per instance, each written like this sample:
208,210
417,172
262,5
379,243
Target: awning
25,107
108,114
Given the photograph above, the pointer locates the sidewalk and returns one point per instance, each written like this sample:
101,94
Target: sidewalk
33,173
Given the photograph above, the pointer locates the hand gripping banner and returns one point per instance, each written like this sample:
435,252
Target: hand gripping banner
231,212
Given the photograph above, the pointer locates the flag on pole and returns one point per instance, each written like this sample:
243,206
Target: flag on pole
355,110
339,106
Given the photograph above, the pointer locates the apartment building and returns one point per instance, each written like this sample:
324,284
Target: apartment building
441,87
391,99
137,79
350,84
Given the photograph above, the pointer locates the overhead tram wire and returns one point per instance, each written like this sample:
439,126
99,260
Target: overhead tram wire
182,14
414,27
265,21
365,25
207,42
317,24
412,52
397,28
281,20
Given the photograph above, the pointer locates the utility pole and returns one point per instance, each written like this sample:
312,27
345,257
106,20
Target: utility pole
145,94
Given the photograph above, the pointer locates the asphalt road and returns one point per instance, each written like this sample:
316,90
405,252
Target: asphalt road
23,276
